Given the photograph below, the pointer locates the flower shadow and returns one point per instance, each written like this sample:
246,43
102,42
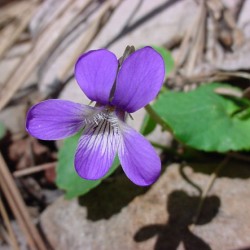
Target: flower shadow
110,197
181,208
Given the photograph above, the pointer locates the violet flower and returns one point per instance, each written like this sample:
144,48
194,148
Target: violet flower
117,90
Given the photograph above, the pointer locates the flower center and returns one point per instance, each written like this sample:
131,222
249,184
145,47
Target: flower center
109,108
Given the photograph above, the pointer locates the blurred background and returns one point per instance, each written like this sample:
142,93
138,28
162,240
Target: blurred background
40,41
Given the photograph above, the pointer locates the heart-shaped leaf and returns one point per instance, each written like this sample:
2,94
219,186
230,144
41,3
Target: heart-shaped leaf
205,120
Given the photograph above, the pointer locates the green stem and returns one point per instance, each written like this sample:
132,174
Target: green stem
157,118
157,145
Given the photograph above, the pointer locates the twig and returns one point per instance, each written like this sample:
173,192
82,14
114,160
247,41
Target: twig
8,41
234,74
210,183
84,41
34,169
213,76
89,36
16,212
198,40
191,40
47,13
19,209
37,54
4,235
12,238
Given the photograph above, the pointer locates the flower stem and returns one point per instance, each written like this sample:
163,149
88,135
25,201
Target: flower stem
157,118
157,145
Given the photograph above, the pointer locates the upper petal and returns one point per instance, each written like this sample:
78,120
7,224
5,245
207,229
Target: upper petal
96,149
139,79
95,72
138,158
56,119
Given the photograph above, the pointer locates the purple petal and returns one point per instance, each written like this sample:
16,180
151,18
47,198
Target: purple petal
95,72
139,80
96,150
56,119
138,158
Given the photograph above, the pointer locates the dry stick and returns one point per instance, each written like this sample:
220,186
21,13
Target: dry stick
186,44
44,11
3,234
216,76
198,40
13,240
88,37
184,48
234,74
7,42
9,12
11,189
39,51
16,212
34,169
210,183
13,9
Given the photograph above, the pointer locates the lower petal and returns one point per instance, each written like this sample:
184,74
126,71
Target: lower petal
138,158
96,150
56,119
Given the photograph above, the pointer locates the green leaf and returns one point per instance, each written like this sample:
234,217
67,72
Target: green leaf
205,120
167,57
148,125
67,178
2,130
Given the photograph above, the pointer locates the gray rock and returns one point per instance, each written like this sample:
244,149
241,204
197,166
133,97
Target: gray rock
157,219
